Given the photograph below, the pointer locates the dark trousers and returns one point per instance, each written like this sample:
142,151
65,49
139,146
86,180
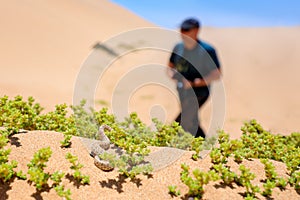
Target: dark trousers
190,105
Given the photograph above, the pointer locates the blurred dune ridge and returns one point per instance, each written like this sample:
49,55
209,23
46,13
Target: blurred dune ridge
44,44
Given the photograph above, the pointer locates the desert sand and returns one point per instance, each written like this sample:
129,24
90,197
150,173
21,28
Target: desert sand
108,185
45,44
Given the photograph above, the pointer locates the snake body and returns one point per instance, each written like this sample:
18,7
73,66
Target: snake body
99,147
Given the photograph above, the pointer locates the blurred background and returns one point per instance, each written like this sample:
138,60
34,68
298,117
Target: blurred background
45,44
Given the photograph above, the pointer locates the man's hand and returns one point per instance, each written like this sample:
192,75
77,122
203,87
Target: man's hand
212,76
187,84
198,82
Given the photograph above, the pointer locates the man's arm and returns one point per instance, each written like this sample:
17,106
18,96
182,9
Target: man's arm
207,80
170,70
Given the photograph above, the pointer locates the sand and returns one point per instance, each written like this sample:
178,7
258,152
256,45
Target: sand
108,185
45,44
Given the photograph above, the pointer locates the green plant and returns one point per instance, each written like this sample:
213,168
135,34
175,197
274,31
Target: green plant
136,170
7,172
217,157
60,190
21,175
249,197
272,179
209,142
292,159
259,143
56,177
40,178
57,120
225,174
85,121
76,166
170,135
281,183
66,142
269,169
18,114
129,165
269,185
173,191
294,179
134,137
197,146
245,180
196,184
36,168
3,142
226,149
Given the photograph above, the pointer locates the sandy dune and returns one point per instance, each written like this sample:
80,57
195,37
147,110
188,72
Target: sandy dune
108,185
44,44
260,75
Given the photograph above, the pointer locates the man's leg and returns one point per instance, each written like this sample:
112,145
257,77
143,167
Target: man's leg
188,118
181,98
200,133
201,101
178,118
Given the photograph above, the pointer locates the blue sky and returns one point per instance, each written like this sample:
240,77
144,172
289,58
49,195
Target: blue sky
220,13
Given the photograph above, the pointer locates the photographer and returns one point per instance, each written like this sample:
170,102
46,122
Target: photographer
194,66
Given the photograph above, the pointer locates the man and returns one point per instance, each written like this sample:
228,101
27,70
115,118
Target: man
194,65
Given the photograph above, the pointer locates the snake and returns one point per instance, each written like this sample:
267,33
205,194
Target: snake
99,147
